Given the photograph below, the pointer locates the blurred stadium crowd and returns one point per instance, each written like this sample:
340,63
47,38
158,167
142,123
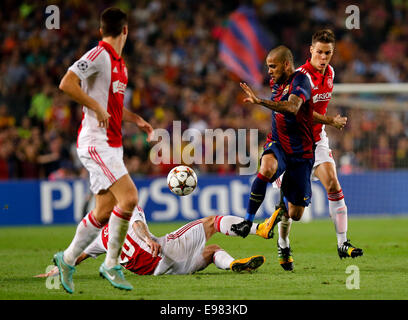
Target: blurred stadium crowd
175,74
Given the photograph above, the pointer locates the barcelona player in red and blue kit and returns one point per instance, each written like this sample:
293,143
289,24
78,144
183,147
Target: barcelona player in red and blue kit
289,147
321,73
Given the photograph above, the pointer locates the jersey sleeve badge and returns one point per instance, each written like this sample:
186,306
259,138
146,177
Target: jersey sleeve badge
82,65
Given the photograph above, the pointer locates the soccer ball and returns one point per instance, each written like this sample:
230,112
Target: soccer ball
182,180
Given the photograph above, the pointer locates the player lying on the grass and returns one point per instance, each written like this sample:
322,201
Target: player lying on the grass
183,251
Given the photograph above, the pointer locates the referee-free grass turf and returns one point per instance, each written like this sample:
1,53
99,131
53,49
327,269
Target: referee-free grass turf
318,274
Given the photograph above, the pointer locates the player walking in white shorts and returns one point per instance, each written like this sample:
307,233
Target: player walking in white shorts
98,81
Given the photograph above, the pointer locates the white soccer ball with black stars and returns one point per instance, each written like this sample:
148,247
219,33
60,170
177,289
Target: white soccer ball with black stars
182,180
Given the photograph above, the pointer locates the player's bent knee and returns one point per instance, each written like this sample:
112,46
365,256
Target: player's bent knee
334,185
128,204
209,227
269,165
268,170
102,215
214,247
211,249
208,252
209,220
296,214
295,217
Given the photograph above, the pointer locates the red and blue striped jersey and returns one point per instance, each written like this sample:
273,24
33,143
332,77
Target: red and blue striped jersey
294,132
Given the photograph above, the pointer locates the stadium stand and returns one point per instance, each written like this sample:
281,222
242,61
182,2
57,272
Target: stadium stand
175,74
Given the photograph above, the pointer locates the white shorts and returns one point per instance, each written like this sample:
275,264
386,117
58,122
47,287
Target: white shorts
183,250
104,164
322,154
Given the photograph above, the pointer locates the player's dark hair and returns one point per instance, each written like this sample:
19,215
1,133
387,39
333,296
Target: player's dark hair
112,22
283,53
325,36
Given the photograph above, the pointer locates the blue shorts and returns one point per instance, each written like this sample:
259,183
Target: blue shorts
296,183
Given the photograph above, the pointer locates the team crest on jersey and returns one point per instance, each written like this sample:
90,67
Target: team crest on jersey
330,82
286,90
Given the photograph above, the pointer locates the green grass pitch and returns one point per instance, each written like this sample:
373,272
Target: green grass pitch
318,274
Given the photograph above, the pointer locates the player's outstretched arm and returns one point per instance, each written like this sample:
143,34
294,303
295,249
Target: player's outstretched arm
251,96
70,84
292,105
337,121
139,121
143,233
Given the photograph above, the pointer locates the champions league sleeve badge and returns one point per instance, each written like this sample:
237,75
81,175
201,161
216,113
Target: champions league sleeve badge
82,65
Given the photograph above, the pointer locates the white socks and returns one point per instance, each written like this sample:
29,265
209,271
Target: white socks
118,227
338,214
284,229
87,230
223,224
222,259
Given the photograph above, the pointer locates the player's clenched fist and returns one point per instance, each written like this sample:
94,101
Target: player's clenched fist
339,122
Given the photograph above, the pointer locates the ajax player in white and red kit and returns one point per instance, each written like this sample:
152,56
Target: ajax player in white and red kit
97,81
321,75
183,251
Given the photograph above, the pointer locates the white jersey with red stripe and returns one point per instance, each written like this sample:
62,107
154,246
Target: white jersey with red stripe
322,88
104,78
136,255
181,250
